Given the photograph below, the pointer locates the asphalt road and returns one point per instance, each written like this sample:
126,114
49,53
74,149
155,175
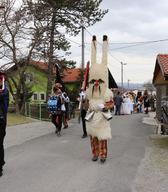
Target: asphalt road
47,163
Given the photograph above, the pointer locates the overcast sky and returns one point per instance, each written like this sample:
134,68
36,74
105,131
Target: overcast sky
129,21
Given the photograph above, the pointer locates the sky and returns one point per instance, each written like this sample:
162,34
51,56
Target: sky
128,21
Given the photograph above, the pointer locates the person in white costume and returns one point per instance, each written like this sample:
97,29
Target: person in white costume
99,95
127,105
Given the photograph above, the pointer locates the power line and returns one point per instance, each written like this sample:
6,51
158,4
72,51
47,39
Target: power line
114,57
92,36
136,43
101,44
88,32
73,41
140,44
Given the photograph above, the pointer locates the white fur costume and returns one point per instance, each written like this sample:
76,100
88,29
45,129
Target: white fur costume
98,126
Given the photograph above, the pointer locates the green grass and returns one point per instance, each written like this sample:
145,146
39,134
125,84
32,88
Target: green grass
161,142
15,119
159,156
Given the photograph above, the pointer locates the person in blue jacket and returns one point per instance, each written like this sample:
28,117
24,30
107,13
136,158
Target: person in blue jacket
4,101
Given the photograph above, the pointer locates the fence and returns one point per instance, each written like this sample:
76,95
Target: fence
39,110
164,115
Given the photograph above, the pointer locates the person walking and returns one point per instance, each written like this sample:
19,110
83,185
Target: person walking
98,93
83,106
118,102
4,101
56,116
65,105
139,102
146,102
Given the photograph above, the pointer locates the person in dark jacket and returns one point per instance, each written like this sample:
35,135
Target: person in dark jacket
56,117
83,106
117,102
4,101
146,101
65,105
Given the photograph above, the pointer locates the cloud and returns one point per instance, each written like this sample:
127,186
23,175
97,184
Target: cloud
131,21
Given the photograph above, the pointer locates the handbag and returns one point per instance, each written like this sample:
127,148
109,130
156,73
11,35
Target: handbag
63,107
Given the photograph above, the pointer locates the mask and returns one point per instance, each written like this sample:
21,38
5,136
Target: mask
98,73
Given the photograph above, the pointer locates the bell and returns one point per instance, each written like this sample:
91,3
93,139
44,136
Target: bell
107,115
89,116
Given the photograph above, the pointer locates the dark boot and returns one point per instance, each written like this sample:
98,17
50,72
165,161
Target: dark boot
84,136
102,160
1,171
94,158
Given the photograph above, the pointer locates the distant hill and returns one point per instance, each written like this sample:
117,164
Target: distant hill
132,85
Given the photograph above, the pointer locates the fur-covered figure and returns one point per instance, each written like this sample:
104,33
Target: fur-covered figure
98,93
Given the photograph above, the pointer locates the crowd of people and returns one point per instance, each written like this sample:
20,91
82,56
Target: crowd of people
96,105
94,116
129,102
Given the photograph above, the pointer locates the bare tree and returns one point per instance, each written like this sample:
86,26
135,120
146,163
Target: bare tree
18,39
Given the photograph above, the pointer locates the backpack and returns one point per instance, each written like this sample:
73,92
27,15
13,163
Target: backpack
52,104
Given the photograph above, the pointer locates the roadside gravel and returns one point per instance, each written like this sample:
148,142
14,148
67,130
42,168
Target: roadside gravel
152,175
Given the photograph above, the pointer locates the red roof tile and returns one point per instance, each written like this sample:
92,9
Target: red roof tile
163,62
69,75
40,65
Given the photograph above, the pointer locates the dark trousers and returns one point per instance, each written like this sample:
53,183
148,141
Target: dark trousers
2,136
83,115
65,118
117,110
57,121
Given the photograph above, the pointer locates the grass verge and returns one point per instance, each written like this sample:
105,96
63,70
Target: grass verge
15,119
159,156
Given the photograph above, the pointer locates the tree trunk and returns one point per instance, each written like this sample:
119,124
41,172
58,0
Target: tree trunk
51,55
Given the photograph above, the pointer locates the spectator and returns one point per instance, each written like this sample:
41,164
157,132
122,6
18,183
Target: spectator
139,102
65,106
57,115
83,106
117,102
146,101
4,101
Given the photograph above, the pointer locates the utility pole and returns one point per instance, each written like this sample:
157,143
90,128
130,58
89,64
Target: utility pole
83,47
122,75
128,83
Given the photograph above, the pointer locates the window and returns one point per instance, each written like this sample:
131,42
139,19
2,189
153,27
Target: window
42,96
35,97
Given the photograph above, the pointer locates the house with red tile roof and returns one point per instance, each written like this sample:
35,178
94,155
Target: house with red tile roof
72,75
160,81
69,75
37,72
